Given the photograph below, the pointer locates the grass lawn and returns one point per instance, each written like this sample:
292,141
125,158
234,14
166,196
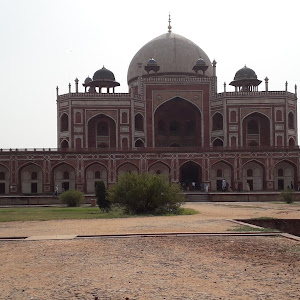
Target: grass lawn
63,213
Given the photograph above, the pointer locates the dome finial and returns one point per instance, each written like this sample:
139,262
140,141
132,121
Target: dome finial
169,27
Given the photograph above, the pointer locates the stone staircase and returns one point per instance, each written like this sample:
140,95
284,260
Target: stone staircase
197,197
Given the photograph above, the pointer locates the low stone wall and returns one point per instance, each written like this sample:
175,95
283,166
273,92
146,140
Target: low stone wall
237,196
36,200
249,197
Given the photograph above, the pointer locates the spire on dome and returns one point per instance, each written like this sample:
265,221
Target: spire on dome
169,27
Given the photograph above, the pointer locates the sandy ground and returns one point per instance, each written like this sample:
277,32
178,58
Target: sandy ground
198,267
212,217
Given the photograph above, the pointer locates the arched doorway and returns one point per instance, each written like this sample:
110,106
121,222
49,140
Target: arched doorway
253,174
190,172
219,172
284,175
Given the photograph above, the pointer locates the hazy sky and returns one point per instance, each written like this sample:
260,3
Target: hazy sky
45,44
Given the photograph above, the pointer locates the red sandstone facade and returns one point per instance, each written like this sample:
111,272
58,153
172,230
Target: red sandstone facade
172,122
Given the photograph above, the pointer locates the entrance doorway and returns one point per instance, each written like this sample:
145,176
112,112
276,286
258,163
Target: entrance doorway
280,184
189,173
250,181
2,188
219,185
33,187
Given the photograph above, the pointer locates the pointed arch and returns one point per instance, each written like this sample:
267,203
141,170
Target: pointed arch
219,171
30,178
57,175
257,181
127,167
217,142
160,168
139,143
139,122
95,172
4,179
190,175
64,144
101,131
291,120
285,175
64,122
292,142
256,130
217,121
176,121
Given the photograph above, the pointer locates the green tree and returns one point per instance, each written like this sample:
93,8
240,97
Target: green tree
146,193
72,198
102,199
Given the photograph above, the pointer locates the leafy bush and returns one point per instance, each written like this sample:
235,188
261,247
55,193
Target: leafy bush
288,196
72,198
102,199
146,193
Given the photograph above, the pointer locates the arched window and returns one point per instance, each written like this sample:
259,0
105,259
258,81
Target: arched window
174,128
280,172
124,117
97,174
102,129
139,143
249,173
233,116
218,143
64,122
291,142
253,127
278,115
217,122
139,122
78,117
2,176
64,144
34,176
219,173
291,121
66,175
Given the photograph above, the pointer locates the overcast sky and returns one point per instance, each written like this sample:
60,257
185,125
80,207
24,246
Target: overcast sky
48,43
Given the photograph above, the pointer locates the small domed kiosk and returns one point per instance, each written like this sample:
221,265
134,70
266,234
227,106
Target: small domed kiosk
245,80
102,78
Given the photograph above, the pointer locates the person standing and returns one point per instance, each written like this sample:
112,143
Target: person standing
224,184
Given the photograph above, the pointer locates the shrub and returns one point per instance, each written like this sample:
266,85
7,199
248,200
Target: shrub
288,196
102,199
146,193
72,198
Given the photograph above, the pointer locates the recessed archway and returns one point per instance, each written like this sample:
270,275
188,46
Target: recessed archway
190,172
177,122
256,130
101,132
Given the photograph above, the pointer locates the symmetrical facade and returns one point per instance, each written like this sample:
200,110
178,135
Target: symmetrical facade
171,122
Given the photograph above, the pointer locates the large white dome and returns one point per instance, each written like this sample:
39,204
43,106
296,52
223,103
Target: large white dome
172,52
